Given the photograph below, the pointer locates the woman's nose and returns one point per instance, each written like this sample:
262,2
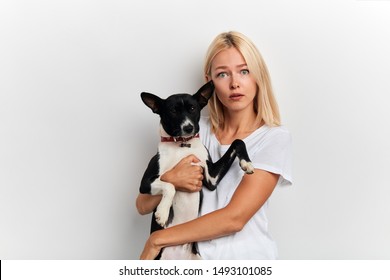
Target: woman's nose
234,82
234,85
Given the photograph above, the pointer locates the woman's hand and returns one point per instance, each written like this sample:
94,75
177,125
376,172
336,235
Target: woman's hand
151,250
186,176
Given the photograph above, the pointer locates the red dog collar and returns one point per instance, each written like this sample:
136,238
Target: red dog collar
179,139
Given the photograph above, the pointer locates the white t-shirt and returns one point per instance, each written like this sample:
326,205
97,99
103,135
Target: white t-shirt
269,149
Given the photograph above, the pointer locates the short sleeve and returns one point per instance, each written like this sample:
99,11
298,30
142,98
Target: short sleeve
274,154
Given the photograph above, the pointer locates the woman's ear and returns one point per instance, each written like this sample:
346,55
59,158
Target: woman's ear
207,78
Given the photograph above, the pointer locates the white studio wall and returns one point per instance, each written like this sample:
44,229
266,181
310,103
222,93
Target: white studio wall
75,136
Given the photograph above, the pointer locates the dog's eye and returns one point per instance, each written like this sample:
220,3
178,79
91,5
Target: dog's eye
191,109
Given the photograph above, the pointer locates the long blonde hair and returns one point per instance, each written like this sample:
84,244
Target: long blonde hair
265,105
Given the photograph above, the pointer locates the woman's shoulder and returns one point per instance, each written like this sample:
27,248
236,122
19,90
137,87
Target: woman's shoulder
267,132
279,129
269,137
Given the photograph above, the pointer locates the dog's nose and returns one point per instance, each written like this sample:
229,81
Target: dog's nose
188,128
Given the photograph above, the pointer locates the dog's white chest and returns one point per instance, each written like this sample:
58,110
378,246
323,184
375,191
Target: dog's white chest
171,153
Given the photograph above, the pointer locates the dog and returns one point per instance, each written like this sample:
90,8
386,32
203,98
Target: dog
179,128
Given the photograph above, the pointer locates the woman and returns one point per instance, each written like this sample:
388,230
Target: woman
233,222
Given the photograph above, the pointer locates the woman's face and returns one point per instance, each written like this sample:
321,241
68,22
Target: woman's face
234,85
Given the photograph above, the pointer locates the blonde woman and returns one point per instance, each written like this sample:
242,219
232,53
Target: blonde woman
233,223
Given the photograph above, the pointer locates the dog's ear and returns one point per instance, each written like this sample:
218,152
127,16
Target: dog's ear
152,101
204,93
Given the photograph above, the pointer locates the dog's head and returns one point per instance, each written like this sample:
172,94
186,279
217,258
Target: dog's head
180,113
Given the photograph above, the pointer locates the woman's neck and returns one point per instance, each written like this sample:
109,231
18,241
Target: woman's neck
237,126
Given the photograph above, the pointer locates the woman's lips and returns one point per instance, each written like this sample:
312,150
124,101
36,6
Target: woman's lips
236,96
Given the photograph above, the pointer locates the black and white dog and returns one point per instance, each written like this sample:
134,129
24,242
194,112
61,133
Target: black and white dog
179,127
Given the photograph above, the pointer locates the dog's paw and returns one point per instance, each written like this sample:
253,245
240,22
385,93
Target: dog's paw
196,257
247,166
161,216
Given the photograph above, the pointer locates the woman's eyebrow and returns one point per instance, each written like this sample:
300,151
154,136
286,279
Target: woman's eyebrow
221,67
225,67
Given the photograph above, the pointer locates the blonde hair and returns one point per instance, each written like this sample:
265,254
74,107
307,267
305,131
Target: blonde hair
265,105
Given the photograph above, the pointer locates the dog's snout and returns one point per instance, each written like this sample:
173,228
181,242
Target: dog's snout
188,128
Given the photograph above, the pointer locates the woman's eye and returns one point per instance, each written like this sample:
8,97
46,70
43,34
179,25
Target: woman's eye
245,72
222,75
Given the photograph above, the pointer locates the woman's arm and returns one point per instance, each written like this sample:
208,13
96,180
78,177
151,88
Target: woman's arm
185,176
249,197
146,203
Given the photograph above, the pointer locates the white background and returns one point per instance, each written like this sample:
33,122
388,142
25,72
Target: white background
75,137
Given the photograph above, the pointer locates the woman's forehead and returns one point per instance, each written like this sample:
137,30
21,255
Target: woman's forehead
228,58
